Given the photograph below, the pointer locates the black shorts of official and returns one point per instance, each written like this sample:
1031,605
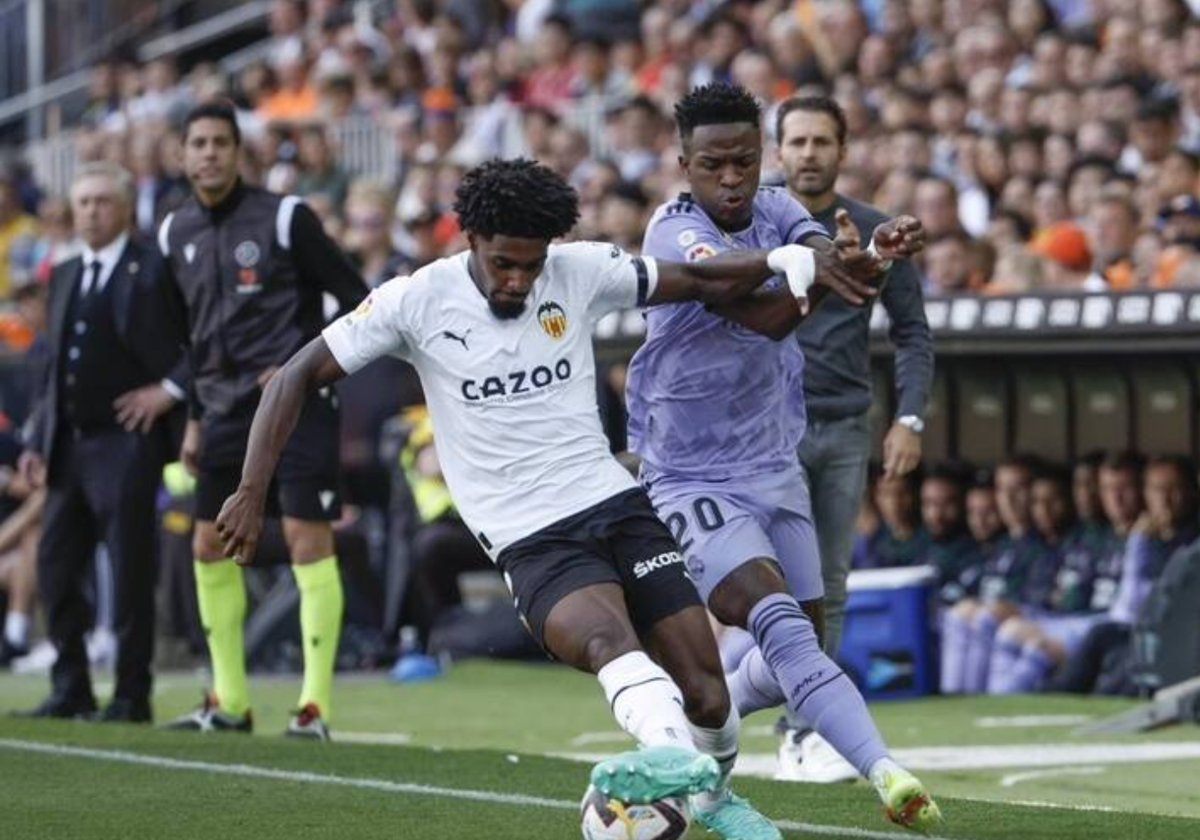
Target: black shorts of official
305,485
621,541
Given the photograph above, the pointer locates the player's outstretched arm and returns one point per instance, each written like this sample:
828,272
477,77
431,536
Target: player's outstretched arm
733,274
776,313
715,280
239,524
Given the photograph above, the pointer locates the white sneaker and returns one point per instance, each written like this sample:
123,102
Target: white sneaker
102,648
38,661
807,757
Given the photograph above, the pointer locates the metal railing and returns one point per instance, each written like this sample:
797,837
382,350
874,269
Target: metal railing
364,145
53,161
76,35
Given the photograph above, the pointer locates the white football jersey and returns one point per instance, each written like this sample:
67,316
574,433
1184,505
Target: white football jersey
513,401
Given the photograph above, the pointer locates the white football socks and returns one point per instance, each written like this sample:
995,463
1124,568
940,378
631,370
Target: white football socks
16,629
722,745
645,701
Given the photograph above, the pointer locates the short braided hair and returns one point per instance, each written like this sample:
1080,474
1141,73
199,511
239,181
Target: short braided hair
717,103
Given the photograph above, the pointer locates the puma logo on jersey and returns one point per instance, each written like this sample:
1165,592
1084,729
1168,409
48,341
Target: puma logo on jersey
461,339
518,384
662,561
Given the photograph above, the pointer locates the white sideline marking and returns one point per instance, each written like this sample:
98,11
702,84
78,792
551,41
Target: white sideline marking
760,731
610,736
1042,755
1016,756
253,771
1013,779
585,738
1023,721
390,739
1065,806
250,770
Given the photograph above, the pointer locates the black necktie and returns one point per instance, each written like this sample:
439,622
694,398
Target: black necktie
91,279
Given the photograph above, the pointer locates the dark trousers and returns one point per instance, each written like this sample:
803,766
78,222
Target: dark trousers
1101,653
441,551
102,487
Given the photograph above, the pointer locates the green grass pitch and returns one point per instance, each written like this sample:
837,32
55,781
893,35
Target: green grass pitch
476,754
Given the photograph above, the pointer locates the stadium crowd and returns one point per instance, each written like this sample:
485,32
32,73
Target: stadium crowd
1044,144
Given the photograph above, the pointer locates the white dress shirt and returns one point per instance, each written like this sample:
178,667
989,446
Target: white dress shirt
108,256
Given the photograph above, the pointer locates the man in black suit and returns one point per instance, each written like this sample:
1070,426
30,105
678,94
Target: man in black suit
98,439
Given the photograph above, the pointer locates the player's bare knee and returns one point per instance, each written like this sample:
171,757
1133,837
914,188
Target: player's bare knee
1001,611
1048,647
206,546
705,699
307,541
602,645
1013,630
965,610
735,597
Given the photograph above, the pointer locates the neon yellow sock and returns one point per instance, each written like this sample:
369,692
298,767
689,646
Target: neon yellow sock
321,603
221,592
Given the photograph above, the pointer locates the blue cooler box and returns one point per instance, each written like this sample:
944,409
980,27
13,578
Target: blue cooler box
888,645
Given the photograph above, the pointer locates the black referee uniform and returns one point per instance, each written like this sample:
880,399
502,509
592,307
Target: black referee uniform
251,273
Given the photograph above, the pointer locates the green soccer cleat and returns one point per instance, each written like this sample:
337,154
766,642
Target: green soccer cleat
654,773
907,803
734,818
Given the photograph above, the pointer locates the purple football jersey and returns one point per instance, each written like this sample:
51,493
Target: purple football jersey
708,398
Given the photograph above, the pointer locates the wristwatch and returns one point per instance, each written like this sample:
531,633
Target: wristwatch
911,422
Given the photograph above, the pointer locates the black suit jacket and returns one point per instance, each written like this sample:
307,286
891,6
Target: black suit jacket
147,323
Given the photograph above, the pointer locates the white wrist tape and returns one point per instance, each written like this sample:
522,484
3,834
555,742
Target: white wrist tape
796,262
874,252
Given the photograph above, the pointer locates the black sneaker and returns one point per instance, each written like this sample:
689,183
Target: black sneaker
61,708
9,652
307,723
208,717
121,710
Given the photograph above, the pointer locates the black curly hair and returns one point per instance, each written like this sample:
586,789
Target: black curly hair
717,103
519,198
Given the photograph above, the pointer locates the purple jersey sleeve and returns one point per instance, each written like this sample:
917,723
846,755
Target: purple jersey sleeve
791,218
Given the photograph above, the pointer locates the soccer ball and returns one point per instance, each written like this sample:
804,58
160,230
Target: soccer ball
612,819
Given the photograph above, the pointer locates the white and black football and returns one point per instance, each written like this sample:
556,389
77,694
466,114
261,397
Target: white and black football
603,818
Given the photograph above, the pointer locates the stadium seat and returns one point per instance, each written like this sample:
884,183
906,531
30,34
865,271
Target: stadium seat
982,412
1100,396
1040,409
935,446
1163,403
